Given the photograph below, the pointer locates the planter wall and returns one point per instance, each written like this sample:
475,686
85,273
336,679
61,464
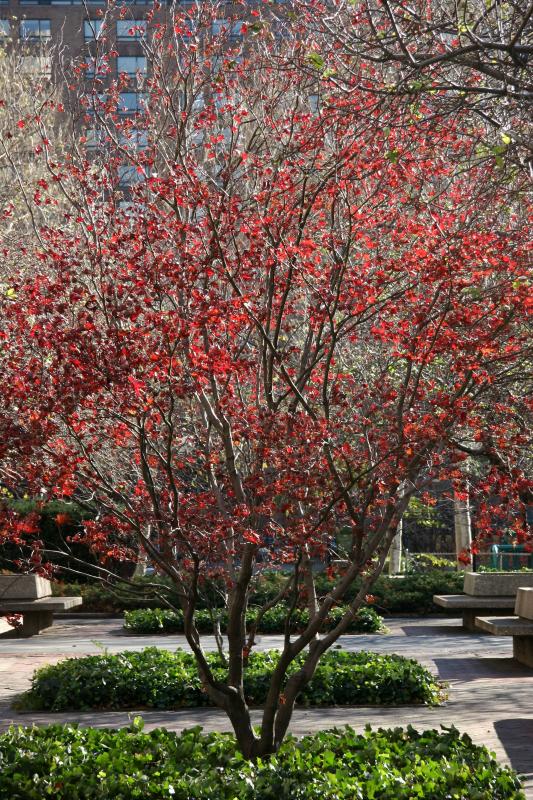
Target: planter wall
24,587
496,584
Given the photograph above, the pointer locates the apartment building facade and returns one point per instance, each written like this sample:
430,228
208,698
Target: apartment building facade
74,27
79,32
76,24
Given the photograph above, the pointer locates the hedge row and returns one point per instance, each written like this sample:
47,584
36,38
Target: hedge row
162,679
159,620
70,763
409,594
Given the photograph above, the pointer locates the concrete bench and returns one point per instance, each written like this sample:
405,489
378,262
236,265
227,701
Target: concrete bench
472,607
31,596
519,627
491,593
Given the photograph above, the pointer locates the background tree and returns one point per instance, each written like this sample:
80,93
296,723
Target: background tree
263,322
456,55
29,103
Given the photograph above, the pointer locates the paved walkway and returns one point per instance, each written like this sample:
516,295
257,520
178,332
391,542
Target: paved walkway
490,695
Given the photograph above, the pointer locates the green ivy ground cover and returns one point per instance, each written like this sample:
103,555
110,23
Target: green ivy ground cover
159,620
69,763
155,678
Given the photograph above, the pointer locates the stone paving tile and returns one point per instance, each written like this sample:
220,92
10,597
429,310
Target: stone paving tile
490,695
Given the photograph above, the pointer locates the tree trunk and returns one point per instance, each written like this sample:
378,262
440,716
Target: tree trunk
239,715
463,529
395,552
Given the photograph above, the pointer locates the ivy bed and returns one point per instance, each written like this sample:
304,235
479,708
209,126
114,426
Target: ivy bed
159,620
71,763
156,678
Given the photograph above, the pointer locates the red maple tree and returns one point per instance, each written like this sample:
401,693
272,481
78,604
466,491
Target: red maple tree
294,314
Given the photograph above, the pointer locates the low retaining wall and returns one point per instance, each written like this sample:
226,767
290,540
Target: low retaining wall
505,584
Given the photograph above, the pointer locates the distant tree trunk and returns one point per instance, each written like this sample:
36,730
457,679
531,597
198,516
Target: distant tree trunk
395,553
463,530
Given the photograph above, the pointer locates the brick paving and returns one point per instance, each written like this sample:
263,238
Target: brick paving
490,695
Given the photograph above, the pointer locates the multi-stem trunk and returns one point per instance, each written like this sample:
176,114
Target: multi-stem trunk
283,691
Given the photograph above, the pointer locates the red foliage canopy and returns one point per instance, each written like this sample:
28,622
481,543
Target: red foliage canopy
299,313
305,316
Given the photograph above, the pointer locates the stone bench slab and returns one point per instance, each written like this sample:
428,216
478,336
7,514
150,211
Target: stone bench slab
505,626
42,604
460,601
36,614
470,607
519,628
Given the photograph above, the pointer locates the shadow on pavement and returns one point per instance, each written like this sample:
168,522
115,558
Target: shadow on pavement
472,668
516,737
433,630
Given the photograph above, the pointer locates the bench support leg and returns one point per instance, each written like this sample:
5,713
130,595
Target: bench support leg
523,649
470,614
469,620
35,621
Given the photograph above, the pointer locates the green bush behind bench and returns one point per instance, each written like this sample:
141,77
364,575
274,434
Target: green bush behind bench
154,678
160,620
70,763
409,594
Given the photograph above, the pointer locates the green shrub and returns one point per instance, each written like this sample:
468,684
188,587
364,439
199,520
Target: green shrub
412,594
409,594
159,620
367,620
156,678
422,562
57,525
507,571
71,763
404,594
99,598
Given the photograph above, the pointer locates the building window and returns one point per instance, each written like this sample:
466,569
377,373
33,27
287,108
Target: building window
94,138
232,28
314,103
5,27
130,175
50,2
56,2
95,103
131,65
92,28
35,30
132,102
130,29
134,140
186,26
95,67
